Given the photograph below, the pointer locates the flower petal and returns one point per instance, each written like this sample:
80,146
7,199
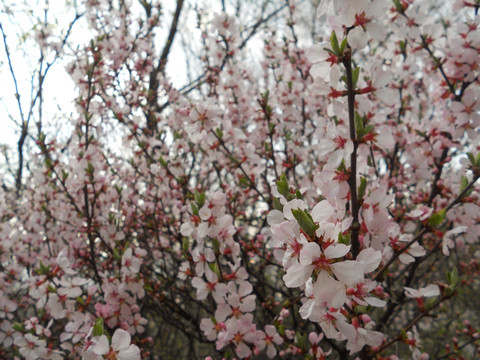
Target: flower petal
132,353
357,38
120,340
297,275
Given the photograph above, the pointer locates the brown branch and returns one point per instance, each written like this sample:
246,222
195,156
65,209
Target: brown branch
424,230
160,69
195,84
410,325
352,181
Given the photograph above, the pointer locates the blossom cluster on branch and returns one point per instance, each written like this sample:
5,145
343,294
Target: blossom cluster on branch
306,207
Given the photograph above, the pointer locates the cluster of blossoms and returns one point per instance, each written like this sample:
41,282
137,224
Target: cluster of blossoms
307,206
315,261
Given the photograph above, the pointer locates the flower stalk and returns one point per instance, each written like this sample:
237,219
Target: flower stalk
352,181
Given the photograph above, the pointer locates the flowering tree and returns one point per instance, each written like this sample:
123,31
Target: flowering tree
323,204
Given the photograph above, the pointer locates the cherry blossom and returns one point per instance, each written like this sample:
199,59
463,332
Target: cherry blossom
120,347
298,190
31,347
430,290
212,286
268,340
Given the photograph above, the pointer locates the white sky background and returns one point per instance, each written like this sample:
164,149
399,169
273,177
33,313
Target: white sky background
59,90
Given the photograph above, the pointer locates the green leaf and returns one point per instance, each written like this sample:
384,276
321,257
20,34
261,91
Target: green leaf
437,218
300,340
214,268
194,208
219,133
359,129
282,185
369,129
42,269
421,133
344,239
116,254
216,245
305,221
463,185
163,162
268,109
90,169
477,160
355,75
277,204
271,128
18,327
362,188
265,95
199,198
429,303
358,122
398,6
334,43
185,246
369,161
267,146
233,159
244,182
80,300
343,45
330,51
452,277
98,329
361,309
471,158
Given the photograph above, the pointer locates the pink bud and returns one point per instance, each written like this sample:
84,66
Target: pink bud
365,318
313,338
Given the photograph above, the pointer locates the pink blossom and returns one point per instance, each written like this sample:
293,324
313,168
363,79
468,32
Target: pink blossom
120,347
268,339
130,263
213,286
428,291
31,346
